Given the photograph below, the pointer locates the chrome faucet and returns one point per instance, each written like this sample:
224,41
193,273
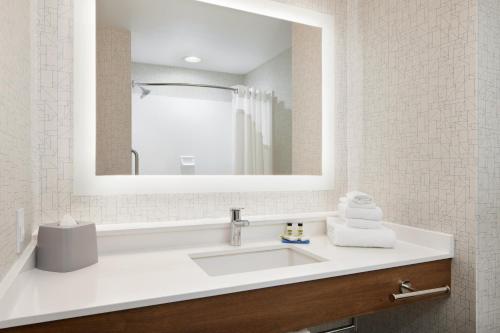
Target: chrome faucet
236,224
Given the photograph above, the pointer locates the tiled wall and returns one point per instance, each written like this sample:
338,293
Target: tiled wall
53,129
15,119
418,152
488,230
354,94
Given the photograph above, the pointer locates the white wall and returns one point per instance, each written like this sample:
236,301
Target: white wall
166,127
176,121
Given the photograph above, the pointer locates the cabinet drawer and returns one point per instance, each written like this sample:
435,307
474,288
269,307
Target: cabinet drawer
275,309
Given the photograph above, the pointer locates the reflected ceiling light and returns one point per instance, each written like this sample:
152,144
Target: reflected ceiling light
192,59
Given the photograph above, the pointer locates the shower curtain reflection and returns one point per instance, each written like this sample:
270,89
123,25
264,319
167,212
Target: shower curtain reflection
252,132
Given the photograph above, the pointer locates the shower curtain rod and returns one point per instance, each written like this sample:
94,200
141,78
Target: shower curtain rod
184,85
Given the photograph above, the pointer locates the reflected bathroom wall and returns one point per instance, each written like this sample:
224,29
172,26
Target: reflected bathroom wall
183,130
142,55
307,100
113,104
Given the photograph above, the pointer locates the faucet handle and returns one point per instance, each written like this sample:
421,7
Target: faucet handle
235,213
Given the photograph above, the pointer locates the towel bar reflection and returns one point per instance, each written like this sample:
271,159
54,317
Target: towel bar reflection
408,292
136,161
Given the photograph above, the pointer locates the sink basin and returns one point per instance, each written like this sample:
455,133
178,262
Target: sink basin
256,259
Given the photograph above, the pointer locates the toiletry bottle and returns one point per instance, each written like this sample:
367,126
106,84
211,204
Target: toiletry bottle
300,230
289,229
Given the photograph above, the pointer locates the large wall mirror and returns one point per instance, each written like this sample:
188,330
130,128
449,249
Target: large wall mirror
192,88
195,96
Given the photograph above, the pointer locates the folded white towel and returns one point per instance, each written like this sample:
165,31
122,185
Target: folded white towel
341,207
343,199
354,204
374,214
363,224
360,198
342,235
352,194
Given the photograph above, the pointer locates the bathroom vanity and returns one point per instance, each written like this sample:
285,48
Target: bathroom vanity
185,276
145,282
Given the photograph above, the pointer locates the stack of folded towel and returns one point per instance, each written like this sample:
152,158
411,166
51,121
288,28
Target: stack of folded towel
359,223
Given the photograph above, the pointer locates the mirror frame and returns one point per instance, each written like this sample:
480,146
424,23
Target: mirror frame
85,181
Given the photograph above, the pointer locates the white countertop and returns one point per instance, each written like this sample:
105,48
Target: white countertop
135,279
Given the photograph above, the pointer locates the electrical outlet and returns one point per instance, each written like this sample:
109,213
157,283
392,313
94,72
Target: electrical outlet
20,230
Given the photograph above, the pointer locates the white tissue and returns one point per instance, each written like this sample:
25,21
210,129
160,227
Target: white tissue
68,221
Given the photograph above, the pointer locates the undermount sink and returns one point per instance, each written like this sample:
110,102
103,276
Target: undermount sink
256,259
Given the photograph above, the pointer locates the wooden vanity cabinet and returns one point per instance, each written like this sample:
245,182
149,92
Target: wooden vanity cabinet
269,310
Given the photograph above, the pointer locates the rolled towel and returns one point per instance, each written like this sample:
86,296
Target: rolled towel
360,198
342,235
363,224
374,214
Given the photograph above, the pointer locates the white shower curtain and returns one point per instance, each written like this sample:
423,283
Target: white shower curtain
252,132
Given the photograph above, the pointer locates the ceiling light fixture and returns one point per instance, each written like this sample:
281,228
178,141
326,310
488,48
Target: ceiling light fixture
192,59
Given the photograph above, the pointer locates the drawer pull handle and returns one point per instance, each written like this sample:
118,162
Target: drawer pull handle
408,292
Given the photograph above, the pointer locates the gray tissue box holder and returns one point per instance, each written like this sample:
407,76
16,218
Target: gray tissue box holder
66,248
